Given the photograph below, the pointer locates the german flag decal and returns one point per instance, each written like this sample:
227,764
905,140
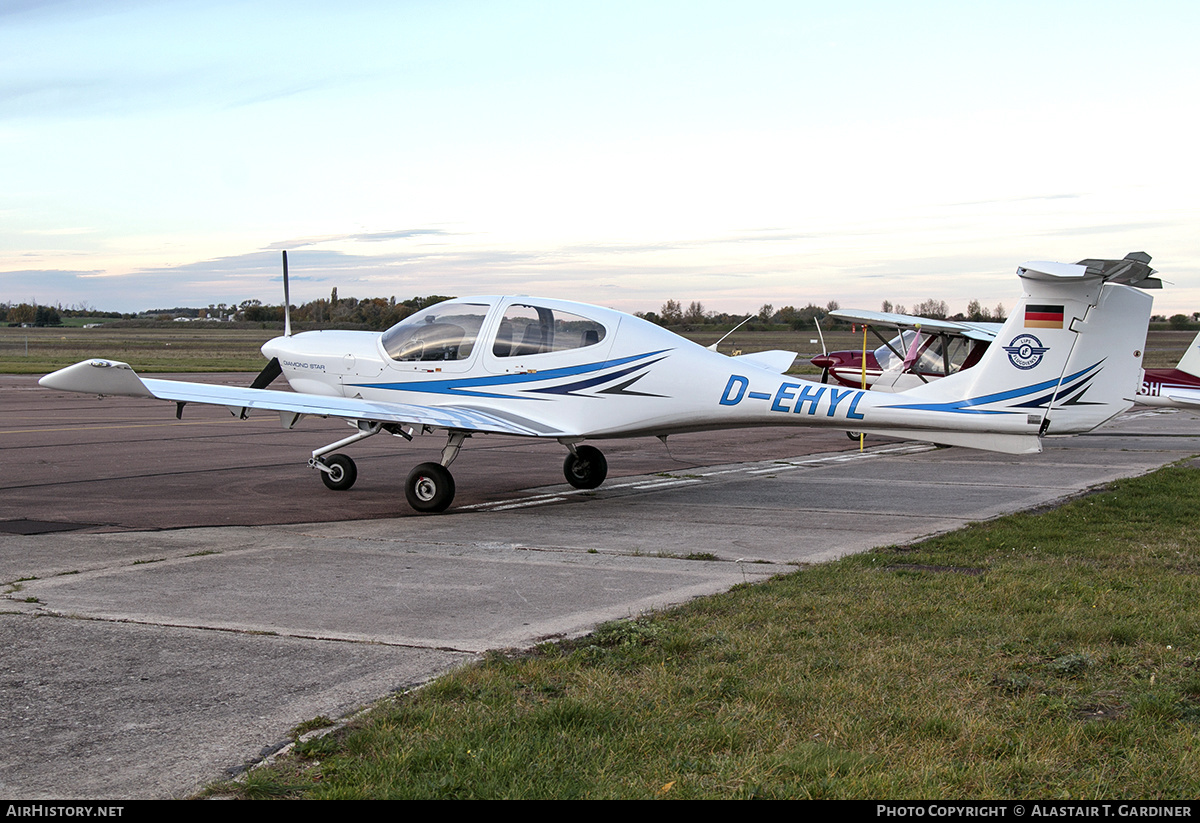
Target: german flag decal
1043,317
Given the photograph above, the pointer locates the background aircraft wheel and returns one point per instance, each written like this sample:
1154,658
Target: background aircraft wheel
852,435
429,488
342,473
586,468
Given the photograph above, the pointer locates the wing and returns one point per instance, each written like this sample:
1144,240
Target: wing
110,377
891,320
1181,399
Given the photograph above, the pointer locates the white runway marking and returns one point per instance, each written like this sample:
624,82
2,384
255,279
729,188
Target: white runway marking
657,483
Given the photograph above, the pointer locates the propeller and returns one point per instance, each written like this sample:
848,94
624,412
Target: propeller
273,369
268,374
826,362
287,303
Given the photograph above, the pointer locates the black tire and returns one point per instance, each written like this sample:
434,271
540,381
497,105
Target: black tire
586,468
342,473
429,488
853,435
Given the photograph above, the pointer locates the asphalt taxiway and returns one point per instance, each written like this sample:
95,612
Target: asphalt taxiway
181,593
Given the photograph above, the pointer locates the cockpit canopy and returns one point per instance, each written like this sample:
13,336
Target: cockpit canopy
527,329
451,330
444,331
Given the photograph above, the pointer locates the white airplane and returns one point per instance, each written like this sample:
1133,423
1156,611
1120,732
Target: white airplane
573,372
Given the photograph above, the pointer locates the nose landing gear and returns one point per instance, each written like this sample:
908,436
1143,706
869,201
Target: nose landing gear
340,472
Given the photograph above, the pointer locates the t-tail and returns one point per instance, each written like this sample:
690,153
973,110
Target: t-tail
1069,357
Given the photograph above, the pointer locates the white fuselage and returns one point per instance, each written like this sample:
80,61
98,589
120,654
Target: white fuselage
636,379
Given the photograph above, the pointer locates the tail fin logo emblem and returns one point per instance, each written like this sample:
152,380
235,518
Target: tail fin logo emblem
1025,351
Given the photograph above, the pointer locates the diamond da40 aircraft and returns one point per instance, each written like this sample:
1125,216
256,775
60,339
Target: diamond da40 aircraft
574,373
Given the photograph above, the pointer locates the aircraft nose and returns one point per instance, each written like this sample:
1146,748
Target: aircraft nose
273,347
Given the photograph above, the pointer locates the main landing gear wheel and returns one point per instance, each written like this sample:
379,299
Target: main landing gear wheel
586,468
342,472
429,488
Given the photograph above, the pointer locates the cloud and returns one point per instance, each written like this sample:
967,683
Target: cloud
361,237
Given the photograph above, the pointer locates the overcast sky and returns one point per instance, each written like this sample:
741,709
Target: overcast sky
161,152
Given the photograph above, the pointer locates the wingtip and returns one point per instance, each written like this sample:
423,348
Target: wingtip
97,376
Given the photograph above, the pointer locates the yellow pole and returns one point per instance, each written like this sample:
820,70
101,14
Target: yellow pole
862,437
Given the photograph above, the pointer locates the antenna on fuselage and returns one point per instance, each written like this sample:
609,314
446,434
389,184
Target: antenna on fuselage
713,347
287,303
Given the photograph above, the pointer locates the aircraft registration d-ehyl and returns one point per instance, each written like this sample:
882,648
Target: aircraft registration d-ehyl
573,372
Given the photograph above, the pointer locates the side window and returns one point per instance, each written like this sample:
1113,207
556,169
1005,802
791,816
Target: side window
960,350
930,360
526,330
446,331
944,348
886,357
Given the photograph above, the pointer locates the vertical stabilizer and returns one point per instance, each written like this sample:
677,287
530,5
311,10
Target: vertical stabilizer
1067,357
1190,362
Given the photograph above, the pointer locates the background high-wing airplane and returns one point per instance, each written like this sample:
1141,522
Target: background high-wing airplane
916,350
572,372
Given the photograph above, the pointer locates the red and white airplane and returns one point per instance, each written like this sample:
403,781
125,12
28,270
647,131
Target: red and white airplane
921,350
926,349
571,372
1174,388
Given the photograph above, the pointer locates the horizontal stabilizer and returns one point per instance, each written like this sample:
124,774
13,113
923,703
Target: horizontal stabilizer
1004,443
774,360
1132,270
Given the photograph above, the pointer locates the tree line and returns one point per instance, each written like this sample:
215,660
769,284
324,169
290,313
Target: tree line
383,312
33,314
372,312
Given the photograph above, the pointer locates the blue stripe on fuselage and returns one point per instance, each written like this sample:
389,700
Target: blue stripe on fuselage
580,385
470,386
964,406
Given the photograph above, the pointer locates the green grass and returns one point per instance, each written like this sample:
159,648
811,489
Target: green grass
1051,655
179,348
